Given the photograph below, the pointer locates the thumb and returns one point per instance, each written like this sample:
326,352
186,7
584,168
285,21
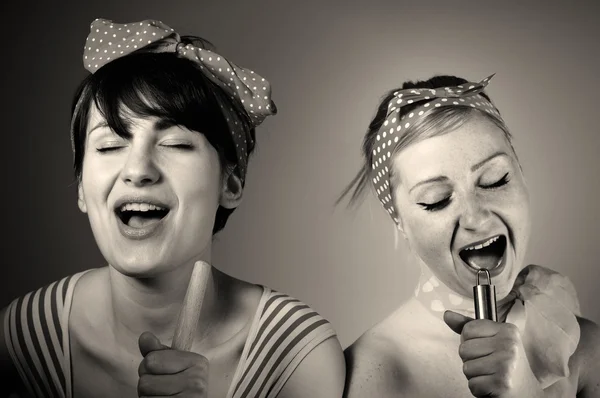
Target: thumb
456,321
149,342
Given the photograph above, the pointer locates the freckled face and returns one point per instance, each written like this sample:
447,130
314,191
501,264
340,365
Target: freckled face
461,190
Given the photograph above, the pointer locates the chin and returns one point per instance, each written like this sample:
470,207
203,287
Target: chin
142,266
137,270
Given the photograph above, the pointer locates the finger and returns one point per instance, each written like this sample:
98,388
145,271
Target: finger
480,328
476,348
191,382
149,342
160,385
483,366
166,362
192,304
456,321
483,386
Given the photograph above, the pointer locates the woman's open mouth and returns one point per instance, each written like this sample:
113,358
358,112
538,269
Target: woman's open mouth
486,254
141,216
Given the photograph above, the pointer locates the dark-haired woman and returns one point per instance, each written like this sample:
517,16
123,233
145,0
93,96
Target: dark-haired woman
162,131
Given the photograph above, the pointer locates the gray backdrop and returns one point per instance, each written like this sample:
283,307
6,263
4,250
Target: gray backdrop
329,63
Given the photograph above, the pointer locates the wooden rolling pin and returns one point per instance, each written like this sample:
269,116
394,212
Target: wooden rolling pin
190,310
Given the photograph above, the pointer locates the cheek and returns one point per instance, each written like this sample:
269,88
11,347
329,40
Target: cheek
198,191
514,206
91,183
521,216
429,235
97,179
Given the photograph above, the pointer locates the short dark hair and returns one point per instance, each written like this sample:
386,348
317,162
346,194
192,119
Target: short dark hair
161,85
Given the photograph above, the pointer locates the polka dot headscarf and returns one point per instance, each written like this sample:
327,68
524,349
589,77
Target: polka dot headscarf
467,94
108,41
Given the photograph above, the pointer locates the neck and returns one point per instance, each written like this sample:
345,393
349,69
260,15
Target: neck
153,304
437,297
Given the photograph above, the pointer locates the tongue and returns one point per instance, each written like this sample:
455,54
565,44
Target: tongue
140,222
483,260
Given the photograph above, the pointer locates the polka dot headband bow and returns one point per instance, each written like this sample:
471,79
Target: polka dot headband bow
108,41
392,129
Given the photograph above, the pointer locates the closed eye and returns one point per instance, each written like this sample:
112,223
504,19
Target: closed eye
439,205
501,182
108,149
180,146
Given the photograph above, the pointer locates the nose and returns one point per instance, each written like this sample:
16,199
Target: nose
475,214
140,169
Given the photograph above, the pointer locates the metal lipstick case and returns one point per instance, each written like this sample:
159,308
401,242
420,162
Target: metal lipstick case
485,298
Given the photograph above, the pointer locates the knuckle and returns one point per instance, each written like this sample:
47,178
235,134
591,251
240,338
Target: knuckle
503,367
475,387
151,361
142,368
197,384
469,328
512,331
144,385
202,364
504,384
466,368
512,350
506,363
462,351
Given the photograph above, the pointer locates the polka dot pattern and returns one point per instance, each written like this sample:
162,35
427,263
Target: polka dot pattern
437,297
544,312
393,127
108,41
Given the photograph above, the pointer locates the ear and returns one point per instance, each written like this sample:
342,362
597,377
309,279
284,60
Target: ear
231,190
81,199
400,226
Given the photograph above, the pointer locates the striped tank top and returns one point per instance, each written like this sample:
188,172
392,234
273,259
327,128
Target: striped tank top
283,331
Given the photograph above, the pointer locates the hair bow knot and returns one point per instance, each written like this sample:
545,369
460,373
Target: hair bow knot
108,40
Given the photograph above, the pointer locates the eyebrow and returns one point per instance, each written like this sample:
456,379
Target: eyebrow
475,167
484,161
159,125
428,181
164,124
97,126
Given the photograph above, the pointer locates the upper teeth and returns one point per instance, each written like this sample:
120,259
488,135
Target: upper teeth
484,244
140,207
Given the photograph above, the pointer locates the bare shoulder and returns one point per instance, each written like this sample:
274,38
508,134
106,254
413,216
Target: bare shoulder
90,281
587,358
320,374
89,296
373,365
